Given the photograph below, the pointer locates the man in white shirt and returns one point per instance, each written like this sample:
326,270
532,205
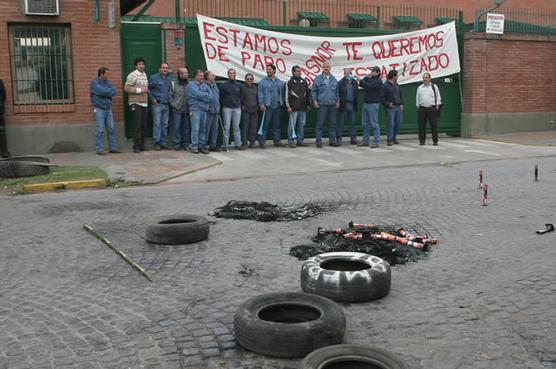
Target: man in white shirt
428,103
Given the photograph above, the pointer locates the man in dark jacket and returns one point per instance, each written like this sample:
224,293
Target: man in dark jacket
178,101
249,112
298,103
372,84
3,141
347,89
391,98
230,99
102,93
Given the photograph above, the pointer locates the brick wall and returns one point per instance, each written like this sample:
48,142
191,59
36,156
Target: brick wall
272,9
93,45
509,73
174,56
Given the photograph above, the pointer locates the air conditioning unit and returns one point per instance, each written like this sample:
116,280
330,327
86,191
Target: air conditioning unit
41,7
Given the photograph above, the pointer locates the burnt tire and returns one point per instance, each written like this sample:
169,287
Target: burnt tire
16,169
288,324
346,276
33,158
352,357
178,229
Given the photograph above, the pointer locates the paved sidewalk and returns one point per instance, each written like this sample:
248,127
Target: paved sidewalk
153,167
537,138
148,167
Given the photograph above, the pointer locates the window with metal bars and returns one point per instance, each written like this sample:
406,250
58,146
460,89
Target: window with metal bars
41,60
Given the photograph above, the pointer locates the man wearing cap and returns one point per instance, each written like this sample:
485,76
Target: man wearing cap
391,98
372,84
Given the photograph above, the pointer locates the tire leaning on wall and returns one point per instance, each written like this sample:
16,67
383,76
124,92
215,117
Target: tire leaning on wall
288,324
16,168
346,276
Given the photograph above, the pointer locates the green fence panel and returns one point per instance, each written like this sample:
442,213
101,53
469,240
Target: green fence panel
449,86
139,40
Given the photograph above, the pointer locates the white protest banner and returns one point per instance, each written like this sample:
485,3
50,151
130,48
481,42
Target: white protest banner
248,50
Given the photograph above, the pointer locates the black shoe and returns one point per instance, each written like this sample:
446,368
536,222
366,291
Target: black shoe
374,146
363,145
5,154
278,144
156,147
101,152
241,148
291,146
262,146
115,152
204,151
435,143
178,148
389,143
353,142
136,151
395,141
252,146
302,144
162,147
333,144
421,144
143,149
319,145
194,151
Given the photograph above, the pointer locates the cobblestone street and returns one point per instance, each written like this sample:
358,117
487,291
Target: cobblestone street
484,298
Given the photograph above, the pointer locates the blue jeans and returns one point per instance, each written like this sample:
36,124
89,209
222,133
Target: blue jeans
212,130
348,113
271,116
324,112
370,119
394,118
198,120
232,116
181,130
104,118
160,123
297,123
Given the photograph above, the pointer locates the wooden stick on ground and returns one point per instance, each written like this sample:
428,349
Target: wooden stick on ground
120,253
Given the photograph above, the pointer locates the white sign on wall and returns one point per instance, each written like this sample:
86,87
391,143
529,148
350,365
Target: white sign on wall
495,23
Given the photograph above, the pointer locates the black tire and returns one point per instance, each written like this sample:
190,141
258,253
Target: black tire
16,169
33,158
178,229
288,324
346,276
352,357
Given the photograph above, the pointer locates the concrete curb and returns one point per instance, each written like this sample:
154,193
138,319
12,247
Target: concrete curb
194,170
64,185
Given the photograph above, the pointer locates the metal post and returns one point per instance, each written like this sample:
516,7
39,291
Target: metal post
476,23
178,11
284,13
97,10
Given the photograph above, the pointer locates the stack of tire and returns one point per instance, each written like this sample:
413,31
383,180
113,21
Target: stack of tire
24,166
311,324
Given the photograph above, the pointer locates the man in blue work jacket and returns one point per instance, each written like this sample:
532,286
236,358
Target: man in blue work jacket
102,93
327,101
160,87
271,100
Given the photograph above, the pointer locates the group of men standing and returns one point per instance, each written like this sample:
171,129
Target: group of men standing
200,106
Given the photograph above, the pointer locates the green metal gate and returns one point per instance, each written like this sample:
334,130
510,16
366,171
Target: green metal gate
139,40
449,86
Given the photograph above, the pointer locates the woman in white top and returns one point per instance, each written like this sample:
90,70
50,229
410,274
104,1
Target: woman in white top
428,103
